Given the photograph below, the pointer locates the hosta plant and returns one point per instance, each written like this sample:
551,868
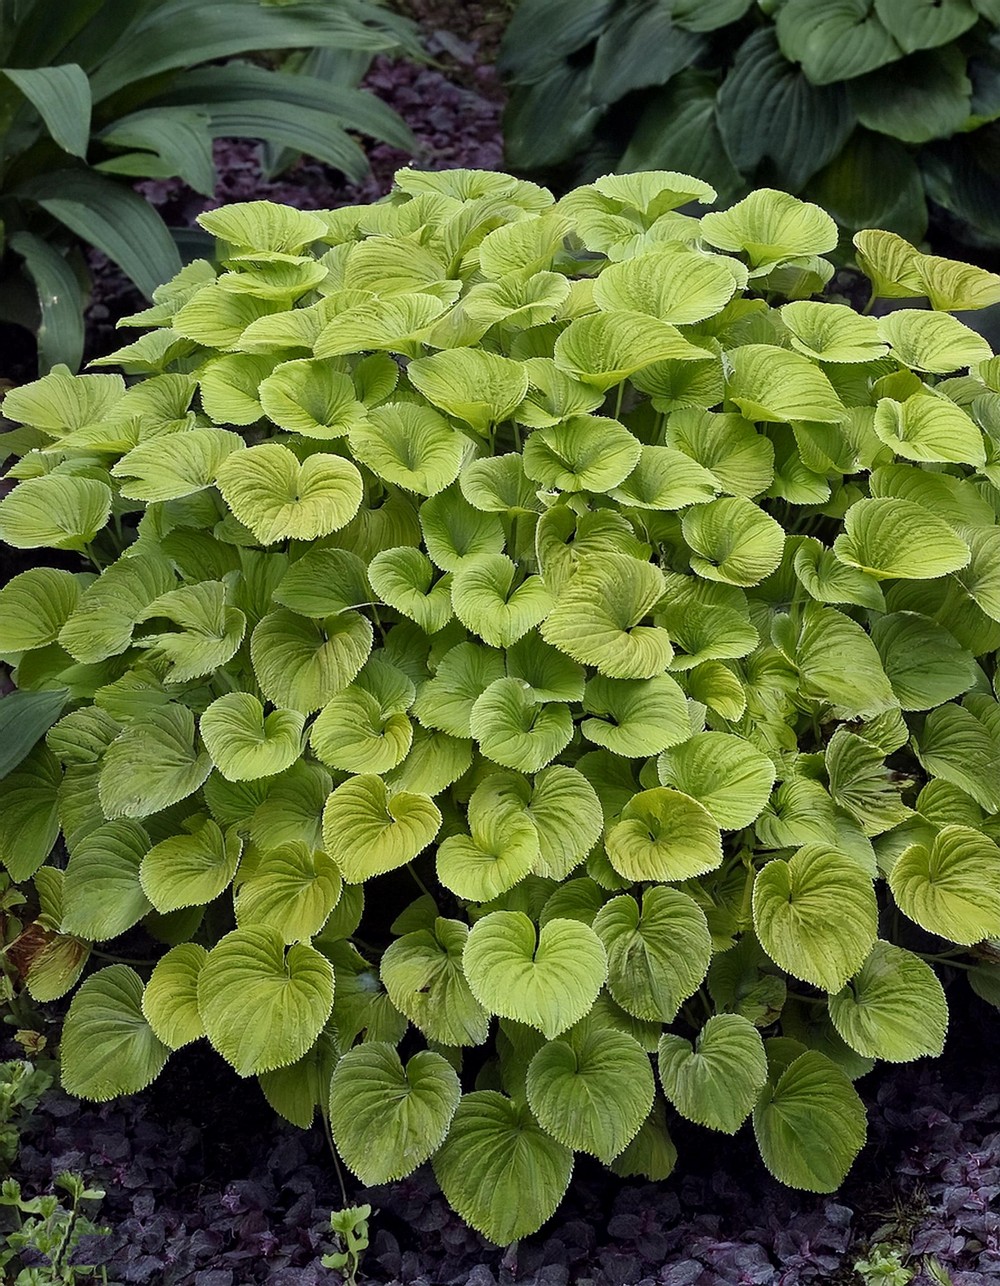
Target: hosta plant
869,107
520,680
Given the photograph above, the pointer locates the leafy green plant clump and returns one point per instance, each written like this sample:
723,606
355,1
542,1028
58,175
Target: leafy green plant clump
869,107
529,683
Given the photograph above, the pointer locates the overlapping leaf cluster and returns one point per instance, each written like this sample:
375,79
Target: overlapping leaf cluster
521,548
872,108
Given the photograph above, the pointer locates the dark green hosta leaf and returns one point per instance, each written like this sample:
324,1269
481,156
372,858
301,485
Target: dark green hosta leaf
810,1123
25,717
387,1119
917,100
591,1090
893,1008
838,40
262,1007
715,1083
108,1048
925,24
816,915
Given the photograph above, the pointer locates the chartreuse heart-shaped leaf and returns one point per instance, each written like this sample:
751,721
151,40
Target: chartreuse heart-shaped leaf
387,1119
101,891
931,341
463,675
190,869
675,285
367,831
928,428
58,511
893,1008
475,386
501,850
499,1169
267,230
291,888
832,332
244,743
733,541
657,955
300,664
229,387
960,747
278,498
297,1090
860,782
435,762
454,530
554,395
170,1001
651,1155
404,578
324,582
776,385
152,763
354,734
487,601
729,447
515,730
34,607
816,915
635,717
837,661
952,886
395,325
30,818
410,446
293,807
107,612
769,226
209,630
422,972
583,453
499,484
603,349
925,664
827,580
890,263
108,1047
263,1007
60,401
810,1123
716,1081
548,981
181,464
591,1090
562,806
550,674
596,619
665,479
311,397
899,540
725,774
664,835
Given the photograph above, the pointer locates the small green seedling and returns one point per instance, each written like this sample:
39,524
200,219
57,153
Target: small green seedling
351,1227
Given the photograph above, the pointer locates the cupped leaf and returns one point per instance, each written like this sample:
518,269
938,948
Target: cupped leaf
478,387
34,606
263,1007
930,430
278,498
635,717
769,226
488,602
300,664
776,385
733,541
454,530
410,446
404,578
603,349
368,831
422,972
311,397
548,981
931,341
108,1047
324,582
727,445
170,1000
263,226
190,869
591,1090
827,580
664,835
816,915
952,886
354,734
515,730
832,332
583,453
502,849
244,743
387,1119
499,1169
716,1081
30,817
176,465
725,774
109,608
674,285
899,540
665,479
924,662
810,1124
152,763
893,1008
658,954
291,888
463,675
58,511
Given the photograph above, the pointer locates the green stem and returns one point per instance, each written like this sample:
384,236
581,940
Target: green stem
93,557
945,960
420,884
619,398
333,1153
126,960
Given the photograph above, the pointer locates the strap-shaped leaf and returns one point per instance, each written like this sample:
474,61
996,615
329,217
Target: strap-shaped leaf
816,915
664,835
190,869
262,1007
108,1048
279,499
367,831
291,888
60,301
152,763
61,96
103,896
810,1124
952,886
657,954
422,972
387,1119
893,1008
499,1169
25,717
29,820
591,1090
244,743
716,1081
548,981
170,1000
